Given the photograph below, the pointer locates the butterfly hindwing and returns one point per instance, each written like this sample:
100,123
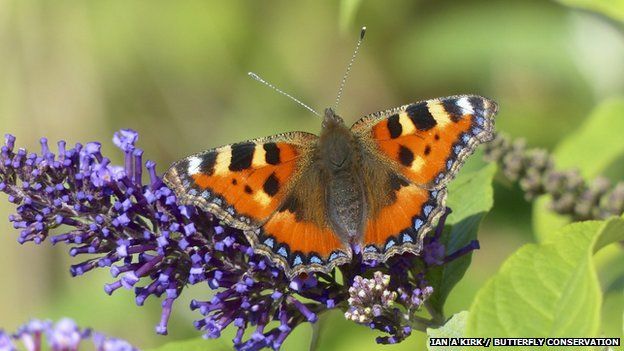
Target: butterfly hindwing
400,212
299,233
428,141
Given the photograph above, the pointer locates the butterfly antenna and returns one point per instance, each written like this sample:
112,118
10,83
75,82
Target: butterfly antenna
257,77
346,75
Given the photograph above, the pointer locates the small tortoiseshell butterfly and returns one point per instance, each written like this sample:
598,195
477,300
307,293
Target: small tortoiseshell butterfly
306,201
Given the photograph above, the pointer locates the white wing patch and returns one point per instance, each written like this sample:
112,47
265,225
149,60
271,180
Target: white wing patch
193,165
465,105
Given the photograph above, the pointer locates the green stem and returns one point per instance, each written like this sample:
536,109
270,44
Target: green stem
317,329
419,323
436,317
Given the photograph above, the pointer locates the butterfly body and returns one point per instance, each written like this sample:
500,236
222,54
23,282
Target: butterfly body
307,201
339,162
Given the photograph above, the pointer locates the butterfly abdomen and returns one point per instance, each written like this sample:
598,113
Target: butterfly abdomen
345,204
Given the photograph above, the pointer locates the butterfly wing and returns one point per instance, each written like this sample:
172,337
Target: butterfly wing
399,212
428,141
417,149
243,183
268,188
299,235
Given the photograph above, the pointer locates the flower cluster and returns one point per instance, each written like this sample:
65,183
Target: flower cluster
65,335
389,301
137,230
156,246
372,301
369,298
534,171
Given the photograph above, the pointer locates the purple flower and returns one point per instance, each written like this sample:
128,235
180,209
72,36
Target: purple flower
31,334
156,246
375,303
6,344
125,139
65,335
105,343
369,298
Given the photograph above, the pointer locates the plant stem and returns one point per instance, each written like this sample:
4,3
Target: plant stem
436,317
317,329
419,323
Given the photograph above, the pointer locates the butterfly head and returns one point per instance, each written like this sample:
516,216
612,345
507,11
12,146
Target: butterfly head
331,119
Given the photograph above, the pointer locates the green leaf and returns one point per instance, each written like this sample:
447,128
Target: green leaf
471,193
545,221
470,198
594,146
549,289
611,8
194,344
453,328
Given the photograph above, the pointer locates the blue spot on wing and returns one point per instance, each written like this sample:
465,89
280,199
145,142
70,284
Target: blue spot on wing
269,242
418,223
370,248
439,178
457,149
316,259
407,238
465,138
389,244
297,261
282,251
336,254
427,210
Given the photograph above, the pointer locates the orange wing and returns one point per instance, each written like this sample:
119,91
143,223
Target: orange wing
265,187
244,183
400,212
418,148
299,236
428,141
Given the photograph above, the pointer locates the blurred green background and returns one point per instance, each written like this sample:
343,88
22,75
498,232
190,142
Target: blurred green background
176,72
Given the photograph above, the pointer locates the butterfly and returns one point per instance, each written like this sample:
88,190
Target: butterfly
308,202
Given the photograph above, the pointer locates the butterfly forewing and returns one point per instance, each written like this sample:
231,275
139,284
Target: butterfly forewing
429,140
243,183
